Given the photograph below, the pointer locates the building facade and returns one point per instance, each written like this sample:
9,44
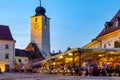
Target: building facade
106,46
109,36
7,47
22,56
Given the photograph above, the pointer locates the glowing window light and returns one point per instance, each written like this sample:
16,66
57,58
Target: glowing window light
111,52
2,68
70,54
66,61
53,63
100,55
61,56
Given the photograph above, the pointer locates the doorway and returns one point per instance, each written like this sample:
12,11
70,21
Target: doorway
7,68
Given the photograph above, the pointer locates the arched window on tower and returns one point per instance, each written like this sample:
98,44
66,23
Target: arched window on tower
45,20
35,19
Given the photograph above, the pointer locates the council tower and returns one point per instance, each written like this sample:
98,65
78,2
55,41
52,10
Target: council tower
40,31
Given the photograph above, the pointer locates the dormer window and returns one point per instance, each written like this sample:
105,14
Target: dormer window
108,25
116,23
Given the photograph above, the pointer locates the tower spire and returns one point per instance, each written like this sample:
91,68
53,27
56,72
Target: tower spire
40,10
40,2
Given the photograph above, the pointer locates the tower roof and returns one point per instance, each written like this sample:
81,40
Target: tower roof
5,33
40,10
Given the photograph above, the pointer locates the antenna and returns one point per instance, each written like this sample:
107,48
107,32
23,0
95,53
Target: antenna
40,2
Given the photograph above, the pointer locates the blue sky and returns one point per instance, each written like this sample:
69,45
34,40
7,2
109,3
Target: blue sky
74,23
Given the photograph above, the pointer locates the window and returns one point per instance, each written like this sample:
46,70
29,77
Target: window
6,46
116,23
116,44
19,60
119,39
45,20
6,56
106,27
35,19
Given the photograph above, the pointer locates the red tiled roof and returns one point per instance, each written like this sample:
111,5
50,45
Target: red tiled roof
5,33
23,53
37,52
116,15
111,26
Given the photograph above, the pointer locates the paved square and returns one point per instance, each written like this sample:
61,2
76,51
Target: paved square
34,76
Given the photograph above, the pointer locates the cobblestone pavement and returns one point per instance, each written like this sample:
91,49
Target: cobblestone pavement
34,76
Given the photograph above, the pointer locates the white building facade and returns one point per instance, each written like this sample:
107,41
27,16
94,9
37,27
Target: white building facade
7,49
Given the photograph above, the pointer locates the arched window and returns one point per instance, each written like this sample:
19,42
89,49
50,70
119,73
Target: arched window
35,19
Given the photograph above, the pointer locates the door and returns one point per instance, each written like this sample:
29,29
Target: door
7,68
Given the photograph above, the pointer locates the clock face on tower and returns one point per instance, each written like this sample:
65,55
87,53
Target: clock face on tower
36,26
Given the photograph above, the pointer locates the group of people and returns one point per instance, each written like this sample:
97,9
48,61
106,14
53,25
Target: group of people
93,69
103,69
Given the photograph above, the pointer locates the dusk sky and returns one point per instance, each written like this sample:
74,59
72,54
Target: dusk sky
74,23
